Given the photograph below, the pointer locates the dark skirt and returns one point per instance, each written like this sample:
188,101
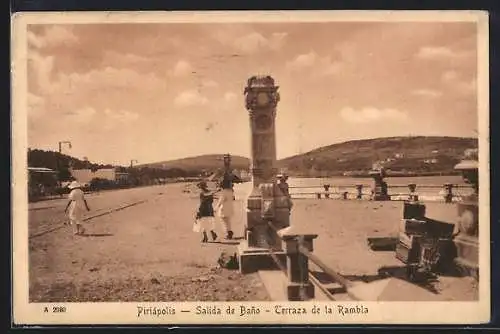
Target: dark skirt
206,206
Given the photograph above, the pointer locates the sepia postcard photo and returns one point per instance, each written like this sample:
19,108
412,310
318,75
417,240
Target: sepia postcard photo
281,167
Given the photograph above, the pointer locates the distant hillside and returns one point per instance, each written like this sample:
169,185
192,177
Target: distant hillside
209,162
405,154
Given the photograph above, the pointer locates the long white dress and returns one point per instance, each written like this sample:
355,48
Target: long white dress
225,208
76,207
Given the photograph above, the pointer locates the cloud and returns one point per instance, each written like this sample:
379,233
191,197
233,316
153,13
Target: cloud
303,61
182,68
110,119
121,115
229,96
457,82
95,80
124,58
83,115
42,67
112,88
250,42
277,40
467,87
35,40
438,52
190,98
209,83
53,36
35,105
449,76
370,114
320,65
427,93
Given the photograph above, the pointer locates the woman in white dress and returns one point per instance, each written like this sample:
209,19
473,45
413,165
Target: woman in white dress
77,203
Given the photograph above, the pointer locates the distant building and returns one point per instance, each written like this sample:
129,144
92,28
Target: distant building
244,174
41,181
84,176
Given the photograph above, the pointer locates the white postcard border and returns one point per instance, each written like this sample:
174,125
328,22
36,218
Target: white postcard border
126,313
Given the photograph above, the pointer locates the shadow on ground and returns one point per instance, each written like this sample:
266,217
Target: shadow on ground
96,235
424,280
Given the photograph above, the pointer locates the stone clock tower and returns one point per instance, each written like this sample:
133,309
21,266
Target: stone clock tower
262,98
266,202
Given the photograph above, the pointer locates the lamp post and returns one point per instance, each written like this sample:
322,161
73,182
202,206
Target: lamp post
64,142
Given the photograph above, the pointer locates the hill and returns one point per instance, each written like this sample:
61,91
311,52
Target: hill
418,154
208,162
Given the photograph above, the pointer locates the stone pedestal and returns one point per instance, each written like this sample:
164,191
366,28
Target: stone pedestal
467,240
252,258
298,286
380,186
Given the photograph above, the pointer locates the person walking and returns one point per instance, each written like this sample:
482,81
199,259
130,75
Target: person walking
225,204
205,215
76,205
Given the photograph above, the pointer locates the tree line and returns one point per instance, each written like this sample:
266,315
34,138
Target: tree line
62,163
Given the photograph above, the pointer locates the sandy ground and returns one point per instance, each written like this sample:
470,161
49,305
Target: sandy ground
148,252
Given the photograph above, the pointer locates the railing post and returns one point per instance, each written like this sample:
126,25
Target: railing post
359,188
412,196
298,286
448,195
327,187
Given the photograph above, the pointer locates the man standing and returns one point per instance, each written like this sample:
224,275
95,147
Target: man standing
283,185
225,204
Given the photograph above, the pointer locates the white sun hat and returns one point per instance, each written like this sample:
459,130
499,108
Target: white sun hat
74,185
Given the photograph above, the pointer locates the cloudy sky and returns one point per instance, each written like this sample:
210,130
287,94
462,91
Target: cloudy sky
155,92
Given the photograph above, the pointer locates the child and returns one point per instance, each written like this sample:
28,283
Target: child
205,215
75,205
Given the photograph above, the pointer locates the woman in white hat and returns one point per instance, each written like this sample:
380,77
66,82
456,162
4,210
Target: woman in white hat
76,205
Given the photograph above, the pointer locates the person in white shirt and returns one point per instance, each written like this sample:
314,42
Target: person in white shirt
77,203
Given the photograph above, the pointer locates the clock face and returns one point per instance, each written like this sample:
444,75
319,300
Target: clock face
262,99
